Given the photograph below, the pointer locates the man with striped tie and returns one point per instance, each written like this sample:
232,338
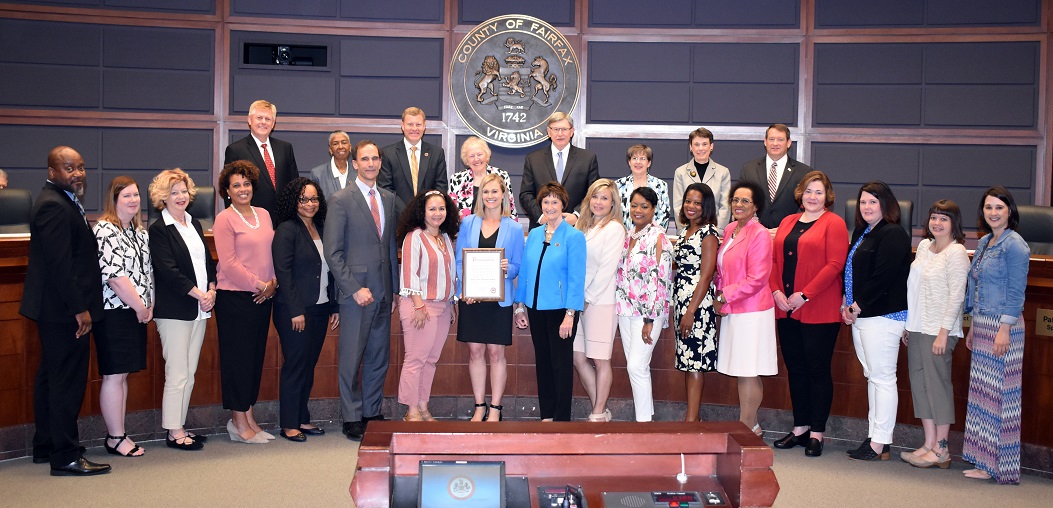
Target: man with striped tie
777,173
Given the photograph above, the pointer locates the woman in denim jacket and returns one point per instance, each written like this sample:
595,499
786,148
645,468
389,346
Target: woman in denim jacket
995,301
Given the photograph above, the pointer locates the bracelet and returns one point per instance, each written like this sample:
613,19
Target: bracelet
648,321
419,308
519,310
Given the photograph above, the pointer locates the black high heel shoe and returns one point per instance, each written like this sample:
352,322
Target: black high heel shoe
791,440
500,411
486,411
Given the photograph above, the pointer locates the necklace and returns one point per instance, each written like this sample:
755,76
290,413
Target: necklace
254,216
635,235
437,239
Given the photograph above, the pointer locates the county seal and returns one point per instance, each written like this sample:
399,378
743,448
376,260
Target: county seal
508,75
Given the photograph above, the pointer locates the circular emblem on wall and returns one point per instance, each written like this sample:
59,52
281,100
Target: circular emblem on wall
508,75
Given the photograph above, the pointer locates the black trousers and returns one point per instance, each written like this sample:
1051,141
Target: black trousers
58,392
554,360
242,327
807,350
300,351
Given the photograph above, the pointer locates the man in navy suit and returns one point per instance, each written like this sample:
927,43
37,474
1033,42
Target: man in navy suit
63,294
412,166
574,168
778,174
359,245
273,157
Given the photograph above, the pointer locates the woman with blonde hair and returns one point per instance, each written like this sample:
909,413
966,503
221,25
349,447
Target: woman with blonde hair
487,326
128,296
594,341
185,277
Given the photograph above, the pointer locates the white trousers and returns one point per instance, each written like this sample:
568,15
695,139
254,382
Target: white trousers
638,361
181,347
877,340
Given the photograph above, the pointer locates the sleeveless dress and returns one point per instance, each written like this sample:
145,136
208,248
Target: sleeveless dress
696,352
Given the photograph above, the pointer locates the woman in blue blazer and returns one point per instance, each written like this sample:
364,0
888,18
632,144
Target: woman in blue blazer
487,326
550,293
304,304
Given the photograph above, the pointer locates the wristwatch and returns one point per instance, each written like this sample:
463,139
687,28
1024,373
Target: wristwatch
721,299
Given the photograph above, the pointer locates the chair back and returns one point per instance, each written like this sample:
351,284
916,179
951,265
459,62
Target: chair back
1036,227
16,210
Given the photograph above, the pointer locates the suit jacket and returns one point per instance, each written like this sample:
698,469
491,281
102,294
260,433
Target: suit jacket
718,179
784,204
880,267
174,274
396,176
743,275
509,238
265,195
580,170
820,262
357,256
560,280
298,268
323,174
63,277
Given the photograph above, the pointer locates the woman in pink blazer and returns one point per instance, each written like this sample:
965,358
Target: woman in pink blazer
746,348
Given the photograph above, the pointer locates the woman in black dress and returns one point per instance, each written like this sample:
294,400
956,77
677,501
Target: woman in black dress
694,320
487,326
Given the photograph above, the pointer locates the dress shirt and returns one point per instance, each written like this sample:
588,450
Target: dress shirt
780,166
555,161
380,202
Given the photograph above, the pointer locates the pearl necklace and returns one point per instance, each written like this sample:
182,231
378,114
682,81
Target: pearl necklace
254,216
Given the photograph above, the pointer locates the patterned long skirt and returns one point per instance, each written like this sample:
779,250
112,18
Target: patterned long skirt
992,421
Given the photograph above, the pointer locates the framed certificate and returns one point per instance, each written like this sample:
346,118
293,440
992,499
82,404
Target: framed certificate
481,275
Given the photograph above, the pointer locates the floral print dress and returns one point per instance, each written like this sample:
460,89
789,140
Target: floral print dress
696,352
643,279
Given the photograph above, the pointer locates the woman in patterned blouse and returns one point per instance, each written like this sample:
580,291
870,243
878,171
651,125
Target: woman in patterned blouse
644,279
128,294
639,158
426,233
464,185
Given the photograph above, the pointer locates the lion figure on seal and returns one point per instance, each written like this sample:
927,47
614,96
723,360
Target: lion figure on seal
491,72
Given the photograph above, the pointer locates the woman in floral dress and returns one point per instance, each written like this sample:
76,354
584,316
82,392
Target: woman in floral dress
694,321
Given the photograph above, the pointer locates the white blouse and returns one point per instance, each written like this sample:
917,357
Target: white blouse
603,252
936,289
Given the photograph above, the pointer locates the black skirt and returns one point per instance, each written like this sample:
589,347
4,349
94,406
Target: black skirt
484,323
120,342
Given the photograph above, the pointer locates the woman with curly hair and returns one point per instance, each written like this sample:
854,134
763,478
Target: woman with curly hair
426,232
246,283
305,305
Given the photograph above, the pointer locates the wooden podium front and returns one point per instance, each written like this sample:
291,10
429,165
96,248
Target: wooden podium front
615,457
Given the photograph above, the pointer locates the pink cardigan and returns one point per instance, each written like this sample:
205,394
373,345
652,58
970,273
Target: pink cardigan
743,276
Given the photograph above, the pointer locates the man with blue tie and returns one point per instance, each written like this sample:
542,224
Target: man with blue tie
572,167
63,294
359,245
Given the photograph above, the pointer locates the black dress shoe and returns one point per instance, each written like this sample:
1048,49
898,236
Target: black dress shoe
41,460
354,430
790,440
80,467
814,448
868,453
312,431
299,437
864,444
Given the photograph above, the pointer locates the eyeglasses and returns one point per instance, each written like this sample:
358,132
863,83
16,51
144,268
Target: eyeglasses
304,201
561,130
741,201
640,159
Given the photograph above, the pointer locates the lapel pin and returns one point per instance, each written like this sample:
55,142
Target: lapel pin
693,174
425,154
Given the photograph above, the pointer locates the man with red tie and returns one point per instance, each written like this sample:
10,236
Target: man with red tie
778,173
273,157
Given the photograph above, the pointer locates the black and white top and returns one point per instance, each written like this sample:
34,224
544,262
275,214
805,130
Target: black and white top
124,253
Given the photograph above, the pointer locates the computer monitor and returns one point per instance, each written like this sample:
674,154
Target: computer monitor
458,483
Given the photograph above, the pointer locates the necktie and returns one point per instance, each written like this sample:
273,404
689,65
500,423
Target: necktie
81,208
270,165
772,185
375,209
414,167
560,167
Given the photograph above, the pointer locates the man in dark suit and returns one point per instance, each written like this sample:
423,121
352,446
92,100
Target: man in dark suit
412,166
359,244
778,174
273,157
572,167
63,294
